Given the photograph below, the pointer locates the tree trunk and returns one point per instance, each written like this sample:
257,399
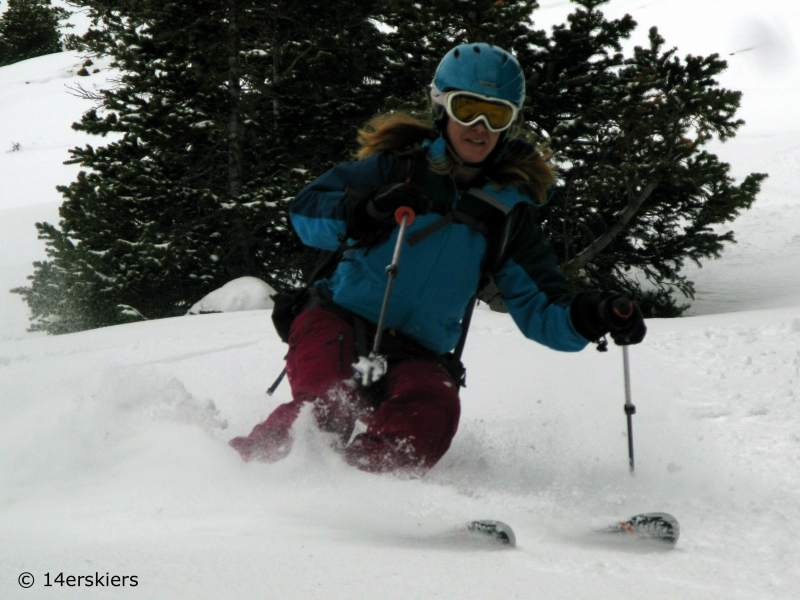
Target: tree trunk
235,174
276,83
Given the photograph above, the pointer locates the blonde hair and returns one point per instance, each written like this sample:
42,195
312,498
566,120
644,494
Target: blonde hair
395,131
525,166
520,163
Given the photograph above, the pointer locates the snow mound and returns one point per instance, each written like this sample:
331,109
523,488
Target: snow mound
245,293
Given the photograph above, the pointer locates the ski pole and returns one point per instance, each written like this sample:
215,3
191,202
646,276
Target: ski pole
630,409
623,308
404,216
277,382
370,369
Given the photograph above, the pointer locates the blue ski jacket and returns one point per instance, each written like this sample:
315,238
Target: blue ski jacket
437,276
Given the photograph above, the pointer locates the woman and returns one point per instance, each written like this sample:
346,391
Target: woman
468,174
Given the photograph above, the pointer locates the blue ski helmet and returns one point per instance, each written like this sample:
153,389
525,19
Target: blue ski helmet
482,69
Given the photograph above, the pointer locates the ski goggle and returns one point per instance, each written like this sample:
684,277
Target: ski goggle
467,108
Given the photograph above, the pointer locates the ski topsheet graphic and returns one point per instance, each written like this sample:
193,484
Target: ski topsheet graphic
657,526
494,531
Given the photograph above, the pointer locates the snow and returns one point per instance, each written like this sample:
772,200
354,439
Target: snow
37,107
113,442
244,293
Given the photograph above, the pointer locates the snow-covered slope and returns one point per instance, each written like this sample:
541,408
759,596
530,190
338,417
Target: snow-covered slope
113,442
37,107
113,458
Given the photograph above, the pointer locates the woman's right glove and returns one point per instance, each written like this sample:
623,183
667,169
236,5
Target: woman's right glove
373,214
595,315
387,199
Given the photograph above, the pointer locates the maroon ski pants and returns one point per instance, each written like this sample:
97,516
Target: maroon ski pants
409,427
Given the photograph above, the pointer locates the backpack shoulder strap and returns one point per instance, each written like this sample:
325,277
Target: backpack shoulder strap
498,247
499,239
409,167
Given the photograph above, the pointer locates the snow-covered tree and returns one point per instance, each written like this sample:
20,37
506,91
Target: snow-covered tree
226,108
30,28
638,194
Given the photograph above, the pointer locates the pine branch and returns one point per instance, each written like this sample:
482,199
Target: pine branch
595,248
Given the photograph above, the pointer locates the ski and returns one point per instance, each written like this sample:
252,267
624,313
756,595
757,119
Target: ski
494,531
657,526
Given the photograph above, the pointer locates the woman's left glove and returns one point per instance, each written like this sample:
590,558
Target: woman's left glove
624,318
595,315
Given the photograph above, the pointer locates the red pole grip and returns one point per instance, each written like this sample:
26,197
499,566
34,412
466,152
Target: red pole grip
623,308
402,212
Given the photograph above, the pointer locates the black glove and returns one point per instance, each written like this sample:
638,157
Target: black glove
386,200
595,314
624,319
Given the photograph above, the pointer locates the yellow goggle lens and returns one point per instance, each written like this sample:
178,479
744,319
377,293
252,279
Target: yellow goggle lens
468,108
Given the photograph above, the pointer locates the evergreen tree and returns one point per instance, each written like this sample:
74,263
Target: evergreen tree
224,108
30,28
422,33
638,195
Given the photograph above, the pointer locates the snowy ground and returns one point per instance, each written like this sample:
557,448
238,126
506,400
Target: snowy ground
113,454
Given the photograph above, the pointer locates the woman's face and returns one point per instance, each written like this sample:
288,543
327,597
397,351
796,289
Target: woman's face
472,144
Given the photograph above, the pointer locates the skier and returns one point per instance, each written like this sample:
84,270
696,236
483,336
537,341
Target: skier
466,176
